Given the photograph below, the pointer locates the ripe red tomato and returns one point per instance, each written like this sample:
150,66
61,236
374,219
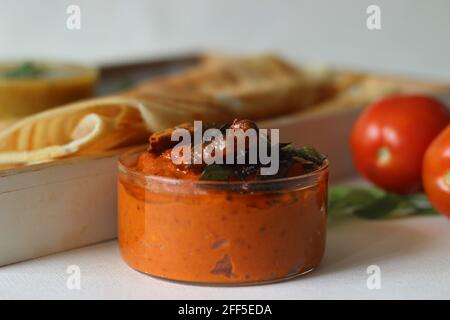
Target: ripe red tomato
436,172
391,136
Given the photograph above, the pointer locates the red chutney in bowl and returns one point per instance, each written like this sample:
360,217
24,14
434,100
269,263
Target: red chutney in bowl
176,226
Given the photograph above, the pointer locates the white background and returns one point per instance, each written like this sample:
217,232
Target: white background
414,38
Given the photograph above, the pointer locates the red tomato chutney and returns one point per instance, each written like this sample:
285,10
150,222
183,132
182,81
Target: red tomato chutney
174,226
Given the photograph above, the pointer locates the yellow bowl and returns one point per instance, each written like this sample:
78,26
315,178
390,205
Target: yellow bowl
33,87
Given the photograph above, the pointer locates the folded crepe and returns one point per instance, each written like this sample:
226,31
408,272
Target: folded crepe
256,87
94,126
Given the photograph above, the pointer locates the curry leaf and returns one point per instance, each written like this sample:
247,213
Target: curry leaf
380,207
345,199
374,203
217,172
307,153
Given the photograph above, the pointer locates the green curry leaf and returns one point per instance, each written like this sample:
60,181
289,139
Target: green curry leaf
217,172
304,153
374,203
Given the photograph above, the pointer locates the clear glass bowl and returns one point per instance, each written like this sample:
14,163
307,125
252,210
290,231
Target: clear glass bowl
221,232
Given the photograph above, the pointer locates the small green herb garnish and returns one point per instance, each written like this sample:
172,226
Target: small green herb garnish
25,70
217,172
374,203
304,153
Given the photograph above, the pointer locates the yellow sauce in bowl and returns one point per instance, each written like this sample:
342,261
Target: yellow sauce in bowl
27,88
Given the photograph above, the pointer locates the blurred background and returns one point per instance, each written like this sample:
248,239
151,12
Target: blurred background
413,39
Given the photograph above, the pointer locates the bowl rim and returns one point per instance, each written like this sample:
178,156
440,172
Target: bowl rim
175,181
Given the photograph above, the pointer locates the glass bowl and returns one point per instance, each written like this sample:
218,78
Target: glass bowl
240,232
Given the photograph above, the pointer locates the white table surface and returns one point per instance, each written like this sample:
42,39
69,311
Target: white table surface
413,255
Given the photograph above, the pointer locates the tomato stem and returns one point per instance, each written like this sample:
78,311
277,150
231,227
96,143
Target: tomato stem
383,155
